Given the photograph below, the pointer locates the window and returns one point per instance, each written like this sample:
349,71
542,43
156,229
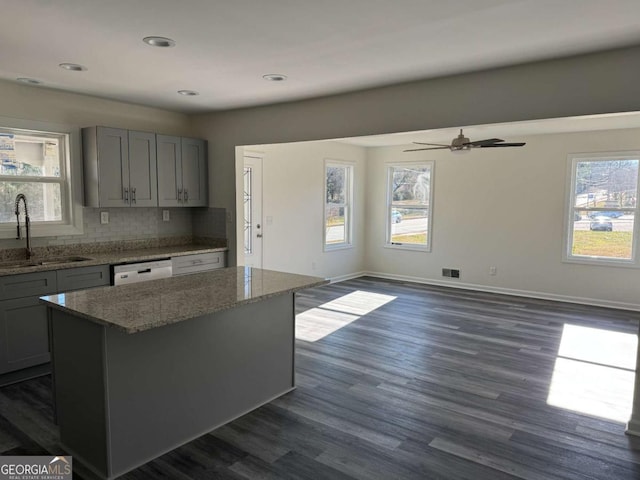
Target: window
602,208
248,204
409,201
37,164
337,207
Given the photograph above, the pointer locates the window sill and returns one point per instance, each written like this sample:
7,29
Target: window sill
342,246
37,231
404,246
600,262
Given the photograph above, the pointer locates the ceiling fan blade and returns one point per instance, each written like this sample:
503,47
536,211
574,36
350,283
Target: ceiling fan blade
516,144
433,144
487,141
430,148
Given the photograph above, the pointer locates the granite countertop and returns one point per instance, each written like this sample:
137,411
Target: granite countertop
104,258
142,306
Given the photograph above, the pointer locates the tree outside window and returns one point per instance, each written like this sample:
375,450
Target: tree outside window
603,208
31,164
409,205
337,206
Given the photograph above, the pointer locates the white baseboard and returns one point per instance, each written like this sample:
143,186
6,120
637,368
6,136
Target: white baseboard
633,427
348,276
485,288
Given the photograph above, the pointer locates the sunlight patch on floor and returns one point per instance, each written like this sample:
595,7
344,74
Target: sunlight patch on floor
317,323
594,372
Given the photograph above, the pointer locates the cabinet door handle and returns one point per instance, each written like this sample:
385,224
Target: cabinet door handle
126,194
179,195
186,195
133,195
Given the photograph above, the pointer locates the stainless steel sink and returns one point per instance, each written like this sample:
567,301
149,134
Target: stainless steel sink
44,261
58,260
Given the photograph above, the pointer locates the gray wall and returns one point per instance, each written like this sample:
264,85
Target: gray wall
590,84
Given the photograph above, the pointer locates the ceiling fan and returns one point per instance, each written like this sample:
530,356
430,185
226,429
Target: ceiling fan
462,143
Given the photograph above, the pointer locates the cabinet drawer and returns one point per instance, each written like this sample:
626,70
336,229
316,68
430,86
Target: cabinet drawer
197,263
27,284
83,277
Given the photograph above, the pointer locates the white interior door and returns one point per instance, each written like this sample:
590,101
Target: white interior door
252,208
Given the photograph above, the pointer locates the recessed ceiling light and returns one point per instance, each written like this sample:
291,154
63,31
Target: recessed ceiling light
275,77
30,81
188,93
73,67
163,42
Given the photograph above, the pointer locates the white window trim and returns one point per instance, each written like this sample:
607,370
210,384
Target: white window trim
567,240
388,206
348,243
72,189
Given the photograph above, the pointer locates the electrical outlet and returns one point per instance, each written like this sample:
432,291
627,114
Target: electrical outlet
313,265
229,217
165,215
493,270
104,218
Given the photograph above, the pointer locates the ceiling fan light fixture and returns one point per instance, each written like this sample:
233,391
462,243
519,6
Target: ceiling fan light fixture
462,144
162,42
461,151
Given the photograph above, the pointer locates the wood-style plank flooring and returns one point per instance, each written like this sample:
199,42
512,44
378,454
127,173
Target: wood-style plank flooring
434,383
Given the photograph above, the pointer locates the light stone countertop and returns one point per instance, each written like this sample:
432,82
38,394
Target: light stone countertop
142,306
108,258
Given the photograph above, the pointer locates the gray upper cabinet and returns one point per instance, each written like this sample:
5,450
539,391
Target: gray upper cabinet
143,180
182,172
119,168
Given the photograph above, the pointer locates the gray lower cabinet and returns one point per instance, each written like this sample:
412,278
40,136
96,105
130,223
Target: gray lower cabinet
25,340
182,172
23,320
200,262
83,277
24,331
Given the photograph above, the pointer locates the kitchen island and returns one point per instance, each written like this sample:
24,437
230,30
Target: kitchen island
142,369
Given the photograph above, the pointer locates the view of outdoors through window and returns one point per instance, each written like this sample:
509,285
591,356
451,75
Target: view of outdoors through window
604,207
337,204
409,208
31,164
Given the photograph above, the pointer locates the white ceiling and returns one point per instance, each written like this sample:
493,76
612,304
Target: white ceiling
323,46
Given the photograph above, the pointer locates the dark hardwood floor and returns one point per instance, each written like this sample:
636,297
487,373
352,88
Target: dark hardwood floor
434,383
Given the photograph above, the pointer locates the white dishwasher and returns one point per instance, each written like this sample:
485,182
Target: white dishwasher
141,272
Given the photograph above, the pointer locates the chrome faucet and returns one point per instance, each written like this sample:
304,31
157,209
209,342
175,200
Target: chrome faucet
27,222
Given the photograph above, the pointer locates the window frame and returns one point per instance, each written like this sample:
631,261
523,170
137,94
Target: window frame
70,178
567,256
348,205
389,205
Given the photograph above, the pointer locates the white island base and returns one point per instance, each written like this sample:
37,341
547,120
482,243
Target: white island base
124,399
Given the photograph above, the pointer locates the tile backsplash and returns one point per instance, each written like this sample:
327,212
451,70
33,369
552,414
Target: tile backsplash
137,224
